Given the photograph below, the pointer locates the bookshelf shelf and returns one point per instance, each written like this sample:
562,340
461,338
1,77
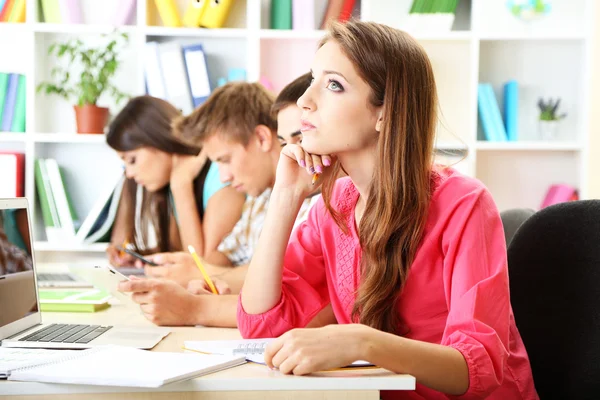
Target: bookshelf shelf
43,246
12,137
535,36
290,34
42,27
528,146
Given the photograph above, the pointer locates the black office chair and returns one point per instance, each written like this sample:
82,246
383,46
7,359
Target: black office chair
512,219
554,273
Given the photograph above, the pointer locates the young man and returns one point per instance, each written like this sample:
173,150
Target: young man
237,129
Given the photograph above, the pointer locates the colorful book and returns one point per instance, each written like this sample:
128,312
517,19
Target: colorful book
500,130
167,9
3,88
6,10
215,14
51,11
303,15
18,123
485,116
281,14
197,73
125,13
511,109
17,14
347,10
73,300
10,102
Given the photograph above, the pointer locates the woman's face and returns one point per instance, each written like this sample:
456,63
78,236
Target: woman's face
148,166
337,116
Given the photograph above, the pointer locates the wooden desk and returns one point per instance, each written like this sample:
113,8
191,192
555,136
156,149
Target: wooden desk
249,381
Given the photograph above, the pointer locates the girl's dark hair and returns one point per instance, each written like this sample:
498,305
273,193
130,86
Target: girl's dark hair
145,121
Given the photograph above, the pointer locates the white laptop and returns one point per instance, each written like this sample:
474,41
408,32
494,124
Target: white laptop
21,322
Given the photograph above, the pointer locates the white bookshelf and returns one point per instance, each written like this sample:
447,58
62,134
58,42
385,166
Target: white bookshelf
550,57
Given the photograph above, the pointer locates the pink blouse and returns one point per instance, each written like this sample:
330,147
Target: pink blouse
456,294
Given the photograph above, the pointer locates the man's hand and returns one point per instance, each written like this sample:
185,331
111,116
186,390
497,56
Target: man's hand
164,302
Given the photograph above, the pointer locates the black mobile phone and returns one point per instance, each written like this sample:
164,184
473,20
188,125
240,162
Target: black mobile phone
138,256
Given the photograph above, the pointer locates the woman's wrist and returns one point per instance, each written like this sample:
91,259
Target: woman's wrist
181,184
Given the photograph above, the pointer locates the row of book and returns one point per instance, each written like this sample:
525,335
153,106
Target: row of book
177,73
498,127
433,6
310,14
69,12
12,102
12,11
60,218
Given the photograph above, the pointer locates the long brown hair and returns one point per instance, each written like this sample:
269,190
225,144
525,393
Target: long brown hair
145,121
401,79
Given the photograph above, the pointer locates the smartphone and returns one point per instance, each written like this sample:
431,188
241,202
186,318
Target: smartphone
137,255
102,277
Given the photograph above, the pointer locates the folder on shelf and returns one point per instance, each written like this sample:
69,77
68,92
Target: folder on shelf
193,13
496,115
20,110
281,14
51,11
155,83
489,114
303,15
97,226
17,13
6,10
167,10
125,13
3,89
66,213
215,14
175,78
197,73
10,102
511,109
12,166
46,200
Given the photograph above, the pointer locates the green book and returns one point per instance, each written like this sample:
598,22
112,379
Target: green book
18,123
281,14
73,300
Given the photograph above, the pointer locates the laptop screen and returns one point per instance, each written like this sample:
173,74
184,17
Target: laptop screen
18,295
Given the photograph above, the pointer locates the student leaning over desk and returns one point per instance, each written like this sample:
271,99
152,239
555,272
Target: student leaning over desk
172,197
409,254
237,129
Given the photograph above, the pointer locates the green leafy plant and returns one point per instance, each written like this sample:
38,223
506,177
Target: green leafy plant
99,64
549,109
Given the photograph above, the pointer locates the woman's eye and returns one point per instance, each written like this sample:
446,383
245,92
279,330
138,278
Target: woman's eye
335,86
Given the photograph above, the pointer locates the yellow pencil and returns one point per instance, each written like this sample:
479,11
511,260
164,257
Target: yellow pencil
314,178
202,270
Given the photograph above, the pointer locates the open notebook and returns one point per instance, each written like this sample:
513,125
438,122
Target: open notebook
252,349
123,366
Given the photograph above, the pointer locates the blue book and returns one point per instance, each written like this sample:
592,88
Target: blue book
3,87
9,103
197,73
485,116
499,129
511,109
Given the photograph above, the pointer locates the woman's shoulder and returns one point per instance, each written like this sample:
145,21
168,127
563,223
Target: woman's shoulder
453,188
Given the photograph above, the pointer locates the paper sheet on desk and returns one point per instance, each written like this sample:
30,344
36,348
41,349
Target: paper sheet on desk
252,349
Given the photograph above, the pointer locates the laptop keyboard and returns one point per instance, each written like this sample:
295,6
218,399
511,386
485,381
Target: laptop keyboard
45,277
66,333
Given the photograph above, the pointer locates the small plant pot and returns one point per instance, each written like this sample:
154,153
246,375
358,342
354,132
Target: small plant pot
548,130
91,118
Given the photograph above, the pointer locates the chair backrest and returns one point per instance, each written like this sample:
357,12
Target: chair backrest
512,220
554,274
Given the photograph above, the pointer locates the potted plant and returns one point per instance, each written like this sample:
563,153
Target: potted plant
98,66
549,117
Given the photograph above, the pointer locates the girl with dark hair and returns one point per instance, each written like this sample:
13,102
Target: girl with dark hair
172,197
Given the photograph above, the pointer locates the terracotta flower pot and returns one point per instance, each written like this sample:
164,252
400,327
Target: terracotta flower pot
91,118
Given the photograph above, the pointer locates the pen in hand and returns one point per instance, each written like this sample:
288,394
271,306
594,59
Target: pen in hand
202,270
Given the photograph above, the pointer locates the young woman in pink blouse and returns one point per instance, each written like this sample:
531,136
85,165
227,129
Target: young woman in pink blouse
411,256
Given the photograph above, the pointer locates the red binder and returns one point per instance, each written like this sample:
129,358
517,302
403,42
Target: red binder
12,167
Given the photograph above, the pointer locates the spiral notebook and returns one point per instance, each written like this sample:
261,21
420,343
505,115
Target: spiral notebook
252,349
123,366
